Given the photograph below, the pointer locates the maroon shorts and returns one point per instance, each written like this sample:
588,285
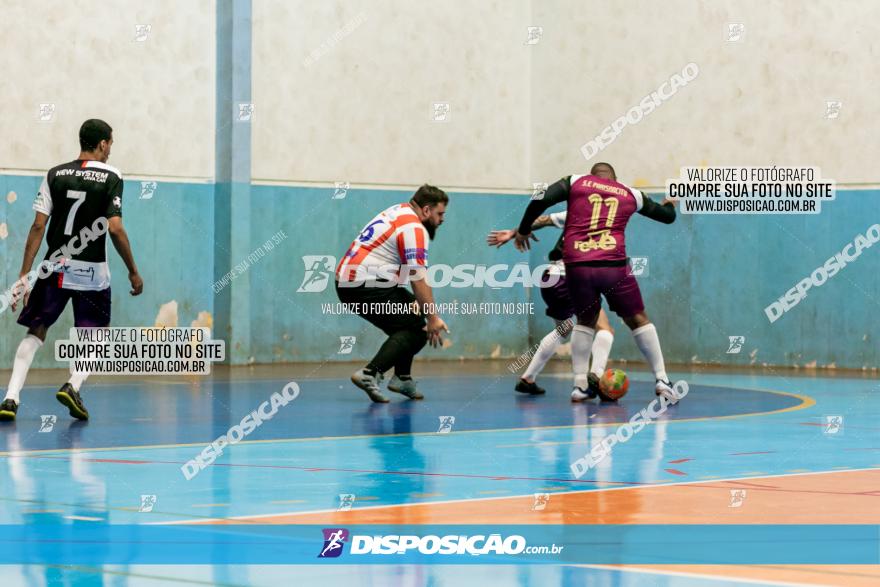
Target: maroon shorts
587,285
91,309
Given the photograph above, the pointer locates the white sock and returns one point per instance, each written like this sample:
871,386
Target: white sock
581,342
77,379
546,350
649,343
24,356
600,351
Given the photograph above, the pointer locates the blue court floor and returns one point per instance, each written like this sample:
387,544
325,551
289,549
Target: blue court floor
124,466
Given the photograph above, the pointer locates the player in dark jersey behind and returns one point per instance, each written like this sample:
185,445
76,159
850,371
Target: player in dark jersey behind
81,201
599,209
561,310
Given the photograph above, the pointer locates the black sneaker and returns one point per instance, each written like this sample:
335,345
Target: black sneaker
69,397
8,410
524,386
593,386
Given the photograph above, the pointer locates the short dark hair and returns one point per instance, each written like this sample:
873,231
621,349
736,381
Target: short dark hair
428,195
596,167
92,132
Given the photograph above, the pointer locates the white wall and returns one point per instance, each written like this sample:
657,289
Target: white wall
361,111
757,102
158,95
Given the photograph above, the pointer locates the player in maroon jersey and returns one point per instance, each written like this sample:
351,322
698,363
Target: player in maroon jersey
561,310
599,208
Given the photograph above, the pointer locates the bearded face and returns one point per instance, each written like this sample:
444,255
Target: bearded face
433,218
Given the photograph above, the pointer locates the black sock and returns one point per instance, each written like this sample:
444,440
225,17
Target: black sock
370,370
405,377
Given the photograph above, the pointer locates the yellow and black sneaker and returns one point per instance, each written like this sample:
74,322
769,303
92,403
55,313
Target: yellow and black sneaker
68,397
7,410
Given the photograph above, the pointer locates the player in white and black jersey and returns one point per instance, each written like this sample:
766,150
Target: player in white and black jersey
81,201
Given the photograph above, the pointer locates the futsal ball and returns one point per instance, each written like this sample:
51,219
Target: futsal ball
613,385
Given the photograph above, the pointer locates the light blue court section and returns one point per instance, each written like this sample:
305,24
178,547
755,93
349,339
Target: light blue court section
400,457
351,576
473,403
395,459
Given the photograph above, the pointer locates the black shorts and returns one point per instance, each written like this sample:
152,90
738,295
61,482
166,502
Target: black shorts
559,306
91,309
390,309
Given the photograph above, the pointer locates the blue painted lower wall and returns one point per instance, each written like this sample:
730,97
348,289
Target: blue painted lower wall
172,237
709,277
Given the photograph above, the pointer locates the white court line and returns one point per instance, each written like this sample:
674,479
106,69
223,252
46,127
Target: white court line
524,496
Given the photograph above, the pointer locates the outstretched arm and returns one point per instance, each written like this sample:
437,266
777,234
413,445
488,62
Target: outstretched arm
496,238
556,193
664,212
